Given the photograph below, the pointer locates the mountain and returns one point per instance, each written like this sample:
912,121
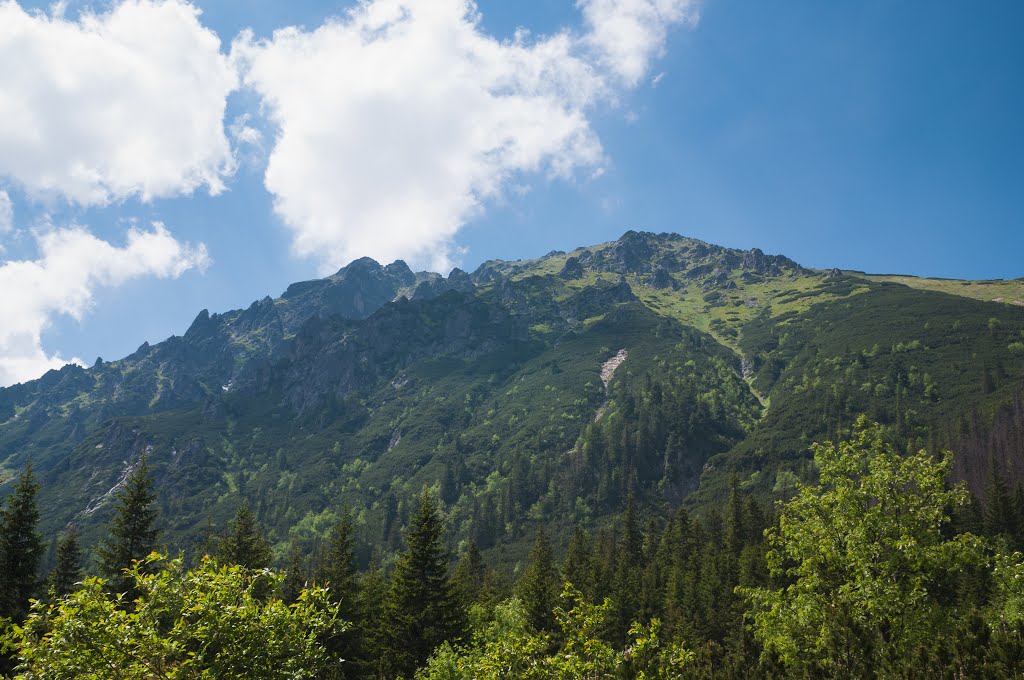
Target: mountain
545,391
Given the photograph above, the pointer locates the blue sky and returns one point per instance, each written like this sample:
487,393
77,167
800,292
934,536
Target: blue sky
882,136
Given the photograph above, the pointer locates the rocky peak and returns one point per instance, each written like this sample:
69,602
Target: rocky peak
634,251
400,272
460,281
201,326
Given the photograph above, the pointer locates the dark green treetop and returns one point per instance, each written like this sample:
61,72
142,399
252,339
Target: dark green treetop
21,548
67,573
424,609
132,531
245,544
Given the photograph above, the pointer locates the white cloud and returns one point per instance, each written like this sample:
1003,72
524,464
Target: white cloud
626,35
130,102
398,122
72,265
6,212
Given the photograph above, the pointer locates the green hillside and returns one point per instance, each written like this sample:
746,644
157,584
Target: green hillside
364,388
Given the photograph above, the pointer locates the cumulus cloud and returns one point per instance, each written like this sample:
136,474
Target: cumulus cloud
6,212
399,120
129,102
72,264
626,35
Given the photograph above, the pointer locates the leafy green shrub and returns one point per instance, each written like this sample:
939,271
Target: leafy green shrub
212,621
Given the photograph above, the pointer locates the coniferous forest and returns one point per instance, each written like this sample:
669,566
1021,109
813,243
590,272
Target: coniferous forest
652,458
879,569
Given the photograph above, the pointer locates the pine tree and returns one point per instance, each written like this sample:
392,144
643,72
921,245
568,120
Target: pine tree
577,568
295,575
339,566
244,543
67,572
539,586
373,656
469,576
132,531
339,573
627,574
999,513
21,548
423,609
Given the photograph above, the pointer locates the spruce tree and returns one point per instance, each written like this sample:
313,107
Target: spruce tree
423,609
338,572
244,543
539,585
578,569
68,570
374,655
339,565
132,531
295,576
21,548
626,581
468,578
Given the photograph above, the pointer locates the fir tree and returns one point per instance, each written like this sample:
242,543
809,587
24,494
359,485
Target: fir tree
244,543
424,611
539,586
132,531
67,573
20,547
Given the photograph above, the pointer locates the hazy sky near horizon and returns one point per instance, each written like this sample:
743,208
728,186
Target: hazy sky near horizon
158,157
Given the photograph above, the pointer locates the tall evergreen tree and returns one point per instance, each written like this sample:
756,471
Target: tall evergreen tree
373,656
627,574
539,586
68,570
339,565
132,531
244,543
424,611
295,575
338,571
21,548
469,576
577,568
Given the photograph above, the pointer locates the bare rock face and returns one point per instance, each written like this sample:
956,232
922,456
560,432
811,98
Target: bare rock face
835,273
634,252
573,269
661,279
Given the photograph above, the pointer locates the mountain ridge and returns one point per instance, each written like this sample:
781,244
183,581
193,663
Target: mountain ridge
366,385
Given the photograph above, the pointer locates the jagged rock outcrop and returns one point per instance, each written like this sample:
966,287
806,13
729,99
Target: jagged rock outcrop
661,279
572,269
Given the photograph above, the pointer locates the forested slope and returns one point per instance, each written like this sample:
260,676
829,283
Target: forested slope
368,386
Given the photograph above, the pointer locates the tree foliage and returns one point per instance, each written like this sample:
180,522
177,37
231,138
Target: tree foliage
21,547
244,544
132,530
864,564
206,622
67,572
507,645
423,608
